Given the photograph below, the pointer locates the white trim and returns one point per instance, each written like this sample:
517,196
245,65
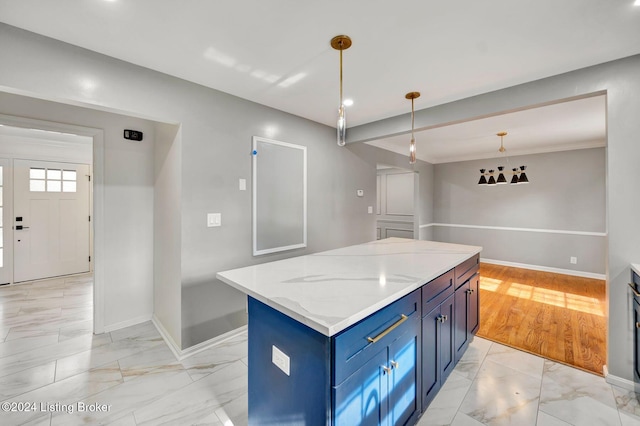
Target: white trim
254,198
212,342
127,323
181,354
620,382
506,228
166,336
546,269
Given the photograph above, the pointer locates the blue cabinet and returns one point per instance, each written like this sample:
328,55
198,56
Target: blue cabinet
437,348
385,390
383,370
635,286
467,319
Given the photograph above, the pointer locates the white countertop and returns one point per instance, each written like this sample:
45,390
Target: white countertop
635,267
331,290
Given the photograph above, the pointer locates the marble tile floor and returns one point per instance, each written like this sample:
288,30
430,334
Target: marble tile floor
52,365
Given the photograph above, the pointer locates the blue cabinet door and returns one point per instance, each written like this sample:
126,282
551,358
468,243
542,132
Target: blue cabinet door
362,398
447,351
404,379
461,335
636,321
438,355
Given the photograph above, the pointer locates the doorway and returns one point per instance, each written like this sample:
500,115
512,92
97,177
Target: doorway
396,203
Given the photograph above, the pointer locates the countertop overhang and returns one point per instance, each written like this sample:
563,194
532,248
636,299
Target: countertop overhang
331,290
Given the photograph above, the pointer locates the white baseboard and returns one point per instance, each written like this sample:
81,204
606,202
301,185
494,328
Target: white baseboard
212,342
546,269
127,323
175,348
620,382
181,354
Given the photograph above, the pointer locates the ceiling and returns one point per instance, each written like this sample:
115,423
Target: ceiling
277,52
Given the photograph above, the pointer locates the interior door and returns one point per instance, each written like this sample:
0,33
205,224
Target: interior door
5,194
51,219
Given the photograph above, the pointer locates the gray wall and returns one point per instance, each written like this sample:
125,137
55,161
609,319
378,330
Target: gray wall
215,146
619,80
566,193
167,219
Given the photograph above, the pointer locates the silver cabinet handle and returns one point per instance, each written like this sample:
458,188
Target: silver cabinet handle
633,288
394,364
386,369
638,325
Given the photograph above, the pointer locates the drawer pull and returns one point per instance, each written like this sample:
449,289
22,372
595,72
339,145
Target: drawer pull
395,365
633,288
386,369
388,330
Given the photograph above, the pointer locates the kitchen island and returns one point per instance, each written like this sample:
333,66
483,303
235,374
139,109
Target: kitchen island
358,335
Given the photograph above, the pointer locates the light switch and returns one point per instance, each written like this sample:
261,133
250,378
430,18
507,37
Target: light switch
242,184
370,209
281,360
214,219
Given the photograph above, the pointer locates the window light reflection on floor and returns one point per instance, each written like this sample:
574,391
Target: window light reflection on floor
576,302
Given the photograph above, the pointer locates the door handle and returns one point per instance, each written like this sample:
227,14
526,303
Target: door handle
20,227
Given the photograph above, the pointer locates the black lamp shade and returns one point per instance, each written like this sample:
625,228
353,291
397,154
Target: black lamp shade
514,180
492,180
523,176
501,179
483,180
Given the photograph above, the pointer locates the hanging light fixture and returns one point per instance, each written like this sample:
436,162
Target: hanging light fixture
412,144
341,42
501,177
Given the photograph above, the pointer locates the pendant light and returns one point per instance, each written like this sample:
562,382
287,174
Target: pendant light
341,42
412,144
502,180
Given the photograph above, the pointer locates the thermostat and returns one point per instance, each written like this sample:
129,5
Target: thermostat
133,135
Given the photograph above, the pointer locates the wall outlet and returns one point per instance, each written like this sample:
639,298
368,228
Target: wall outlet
214,219
360,192
573,260
280,359
242,184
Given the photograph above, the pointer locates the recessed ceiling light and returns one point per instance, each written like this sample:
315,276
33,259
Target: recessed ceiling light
637,3
349,102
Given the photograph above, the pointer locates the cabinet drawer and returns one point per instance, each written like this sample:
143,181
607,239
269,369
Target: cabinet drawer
352,348
467,269
437,290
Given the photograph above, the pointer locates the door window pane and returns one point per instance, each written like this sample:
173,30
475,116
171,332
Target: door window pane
68,186
36,173
69,175
54,174
54,186
36,185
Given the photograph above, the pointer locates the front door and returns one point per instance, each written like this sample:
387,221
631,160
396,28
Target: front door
51,219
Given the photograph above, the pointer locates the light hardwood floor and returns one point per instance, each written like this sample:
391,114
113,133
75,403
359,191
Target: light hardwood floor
559,317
